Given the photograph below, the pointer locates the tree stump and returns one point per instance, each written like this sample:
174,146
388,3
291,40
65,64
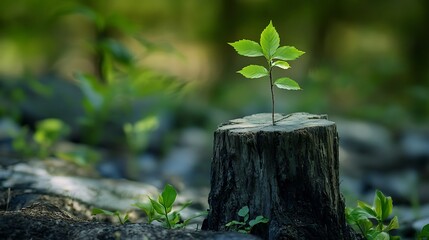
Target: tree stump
287,173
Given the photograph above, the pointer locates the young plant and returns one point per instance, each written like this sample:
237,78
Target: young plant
369,220
161,210
245,226
122,220
275,55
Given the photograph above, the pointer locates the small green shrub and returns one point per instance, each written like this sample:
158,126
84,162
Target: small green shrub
161,210
370,220
245,226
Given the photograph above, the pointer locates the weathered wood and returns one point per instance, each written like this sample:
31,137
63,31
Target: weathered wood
287,173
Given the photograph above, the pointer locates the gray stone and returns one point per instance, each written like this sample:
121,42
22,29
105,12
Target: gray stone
415,145
365,146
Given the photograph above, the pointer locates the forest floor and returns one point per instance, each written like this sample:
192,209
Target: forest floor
37,205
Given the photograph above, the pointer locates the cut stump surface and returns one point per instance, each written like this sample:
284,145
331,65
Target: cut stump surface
287,173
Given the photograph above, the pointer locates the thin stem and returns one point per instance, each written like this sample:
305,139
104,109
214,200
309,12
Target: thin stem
166,217
272,91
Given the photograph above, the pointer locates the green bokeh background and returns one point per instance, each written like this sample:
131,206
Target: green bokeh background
364,59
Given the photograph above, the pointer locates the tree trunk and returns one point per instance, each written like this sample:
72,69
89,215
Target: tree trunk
288,173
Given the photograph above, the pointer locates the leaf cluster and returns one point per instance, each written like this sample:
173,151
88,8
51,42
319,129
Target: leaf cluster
161,210
276,56
245,226
41,143
369,220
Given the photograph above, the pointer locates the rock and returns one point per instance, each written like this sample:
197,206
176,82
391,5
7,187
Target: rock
185,160
365,146
103,193
414,145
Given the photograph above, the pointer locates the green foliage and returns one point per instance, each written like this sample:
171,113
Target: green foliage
424,234
370,220
80,155
122,219
41,144
275,55
44,141
48,132
245,226
137,134
161,210
119,83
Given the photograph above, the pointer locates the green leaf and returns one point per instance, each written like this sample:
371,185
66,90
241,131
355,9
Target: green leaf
281,64
243,211
96,211
257,220
169,195
376,235
365,225
383,205
246,217
425,232
287,53
174,218
157,206
359,217
270,41
393,224
378,207
287,83
247,48
387,207
161,200
122,220
254,71
146,207
367,208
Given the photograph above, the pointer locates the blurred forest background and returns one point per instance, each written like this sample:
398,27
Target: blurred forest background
149,81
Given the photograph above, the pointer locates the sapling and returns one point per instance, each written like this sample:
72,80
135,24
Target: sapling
275,55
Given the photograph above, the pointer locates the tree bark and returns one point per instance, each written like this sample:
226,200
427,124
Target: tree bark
287,173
